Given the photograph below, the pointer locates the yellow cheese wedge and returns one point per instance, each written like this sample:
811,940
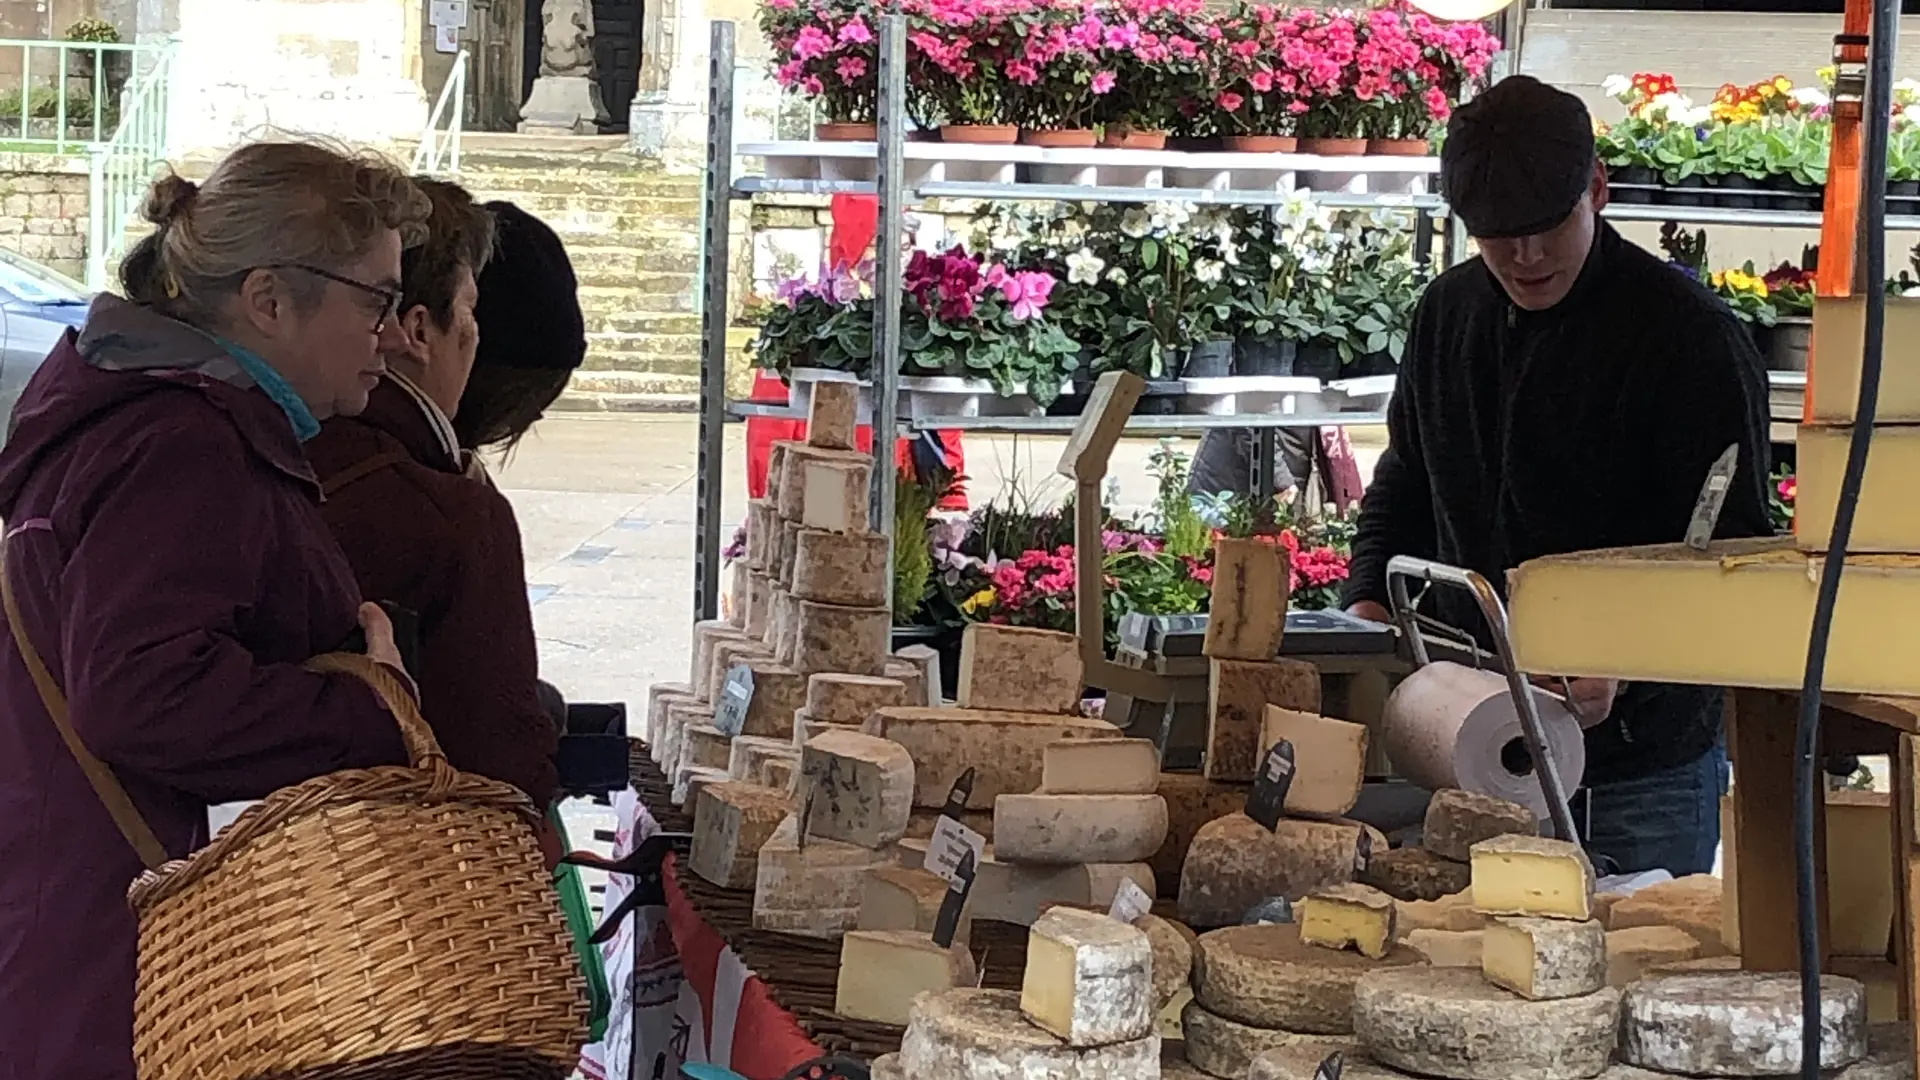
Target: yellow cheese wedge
882,970
1734,615
1887,518
1532,875
1351,914
1839,341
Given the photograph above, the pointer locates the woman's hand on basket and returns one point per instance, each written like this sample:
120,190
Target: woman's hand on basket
379,633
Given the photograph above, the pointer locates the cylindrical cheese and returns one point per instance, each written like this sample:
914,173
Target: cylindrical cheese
1226,1047
1005,750
782,569
705,635
1235,862
838,568
1545,958
1266,976
759,604
1457,820
1738,1024
681,715
1302,1061
781,617
763,532
1451,1022
659,696
1067,829
725,655
1172,956
1414,873
982,1035
851,639
913,676
778,691
838,698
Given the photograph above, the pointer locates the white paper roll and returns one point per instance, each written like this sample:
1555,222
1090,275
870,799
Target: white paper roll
1452,726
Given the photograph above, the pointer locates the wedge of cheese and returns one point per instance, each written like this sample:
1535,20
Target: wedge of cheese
1534,876
1839,345
882,970
1354,915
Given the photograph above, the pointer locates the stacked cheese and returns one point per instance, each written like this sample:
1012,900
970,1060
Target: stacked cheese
1436,915
1084,1011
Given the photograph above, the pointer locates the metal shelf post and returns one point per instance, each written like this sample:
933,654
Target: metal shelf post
890,123
715,212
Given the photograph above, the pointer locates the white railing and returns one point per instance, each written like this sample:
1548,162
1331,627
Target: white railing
439,151
121,169
65,96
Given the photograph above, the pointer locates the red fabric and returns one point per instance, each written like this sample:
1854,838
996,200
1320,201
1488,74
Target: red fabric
767,1041
856,218
763,432
1343,471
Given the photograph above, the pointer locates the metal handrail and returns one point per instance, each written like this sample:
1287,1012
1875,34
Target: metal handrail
121,169
59,82
438,156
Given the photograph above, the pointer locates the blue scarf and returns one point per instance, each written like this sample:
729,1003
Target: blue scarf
276,387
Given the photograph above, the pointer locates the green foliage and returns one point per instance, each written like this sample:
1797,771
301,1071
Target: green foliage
93,31
913,500
1182,528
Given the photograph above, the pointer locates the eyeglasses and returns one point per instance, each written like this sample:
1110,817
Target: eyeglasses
389,298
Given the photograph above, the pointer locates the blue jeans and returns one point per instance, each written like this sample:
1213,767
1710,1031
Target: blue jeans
1667,820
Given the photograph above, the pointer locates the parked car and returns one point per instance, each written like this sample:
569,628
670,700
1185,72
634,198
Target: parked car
37,305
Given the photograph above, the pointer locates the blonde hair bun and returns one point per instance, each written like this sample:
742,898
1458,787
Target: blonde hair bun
169,198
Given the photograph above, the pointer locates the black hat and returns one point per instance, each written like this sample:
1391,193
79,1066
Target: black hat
1517,158
529,307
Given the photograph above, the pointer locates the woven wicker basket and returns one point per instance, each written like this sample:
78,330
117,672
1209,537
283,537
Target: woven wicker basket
388,922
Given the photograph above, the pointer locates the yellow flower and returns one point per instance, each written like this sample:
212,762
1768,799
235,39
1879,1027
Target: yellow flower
1782,84
982,599
1719,279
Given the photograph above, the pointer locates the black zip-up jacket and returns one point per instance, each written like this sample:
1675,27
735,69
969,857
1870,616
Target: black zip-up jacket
1593,424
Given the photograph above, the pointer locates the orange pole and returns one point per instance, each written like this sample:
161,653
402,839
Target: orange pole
1840,221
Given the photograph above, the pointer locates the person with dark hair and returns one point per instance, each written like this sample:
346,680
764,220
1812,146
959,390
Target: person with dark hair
423,534
532,333
1564,391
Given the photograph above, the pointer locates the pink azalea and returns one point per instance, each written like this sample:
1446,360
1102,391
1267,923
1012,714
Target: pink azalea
1261,81
1229,101
788,73
812,86
856,32
1103,82
851,68
811,44
783,5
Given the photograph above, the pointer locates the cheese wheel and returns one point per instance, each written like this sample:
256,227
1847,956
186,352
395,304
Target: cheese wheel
1451,1022
1302,1061
1235,863
1004,749
1889,1057
838,698
1172,956
1266,976
1062,830
1738,1024
1457,820
1227,1048
1414,873
982,1035
1545,958
886,1067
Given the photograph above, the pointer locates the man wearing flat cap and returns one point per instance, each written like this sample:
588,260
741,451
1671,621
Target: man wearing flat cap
1565,391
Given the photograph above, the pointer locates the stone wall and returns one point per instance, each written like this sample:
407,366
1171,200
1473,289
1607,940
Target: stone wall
43,210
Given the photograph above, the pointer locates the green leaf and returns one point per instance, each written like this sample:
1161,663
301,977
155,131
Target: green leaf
1149,253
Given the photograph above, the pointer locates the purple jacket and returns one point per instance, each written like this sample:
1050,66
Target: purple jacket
164,538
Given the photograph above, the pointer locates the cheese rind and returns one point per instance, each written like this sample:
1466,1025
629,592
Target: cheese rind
1448,948
1100,767
1887,518
757,594
725,655
813,892
1267,977
1540,959
1414,873
833,411
1302,1061
1348,914
1330,759
1247,612
860,788
746,753
1457,820
1738,1024
1692,903
831,638
690,781
839,698
901,898
1533,875
1633,952
982,1035
1005,749
730,823
886,1067
1067,829
1172,946
1019,669
1221,1046
1192,801
836,568
824,488
659,696
706,634
1005,892
1238,693
923,681
1451,1022
881,971
708,747
1453,912
1089,978
763,533
1235,862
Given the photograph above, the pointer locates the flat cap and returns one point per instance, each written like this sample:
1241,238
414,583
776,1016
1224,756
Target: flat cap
1517,158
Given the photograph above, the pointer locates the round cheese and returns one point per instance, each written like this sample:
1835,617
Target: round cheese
1889,1057
1266,976
1226,1048
1738,1024
1414,873
836,698
1302,1061
982,1035
1063,830
1172,956
1235,862
1451,1022
886,1067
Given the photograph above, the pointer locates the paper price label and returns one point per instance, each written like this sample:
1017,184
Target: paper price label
1362,852
736,694
1130,902
950,844
947,923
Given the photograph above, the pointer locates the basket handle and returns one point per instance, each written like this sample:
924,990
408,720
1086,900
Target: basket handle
423,750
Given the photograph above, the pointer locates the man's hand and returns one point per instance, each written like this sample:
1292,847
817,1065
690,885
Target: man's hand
1589,699
379,633
1368,609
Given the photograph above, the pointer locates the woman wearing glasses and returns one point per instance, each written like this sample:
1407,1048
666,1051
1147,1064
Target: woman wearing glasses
165,548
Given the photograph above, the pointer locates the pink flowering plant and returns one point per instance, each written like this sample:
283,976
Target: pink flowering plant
970,318
1259,86
826,51
1161,55
958,52
825,322
1062,69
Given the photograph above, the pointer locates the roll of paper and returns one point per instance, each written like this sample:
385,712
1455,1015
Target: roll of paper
1452,726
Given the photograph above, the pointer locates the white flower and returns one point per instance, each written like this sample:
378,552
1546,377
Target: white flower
1616,85
1083,267
1209,271
1276,260
1230,251
1170,216
1006,240
1117,275
1811,96
1135,223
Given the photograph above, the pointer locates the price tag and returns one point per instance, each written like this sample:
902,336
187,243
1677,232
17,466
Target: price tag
1331,1068
1362,852
730,712
951,843
947,923
1270,786
1130,902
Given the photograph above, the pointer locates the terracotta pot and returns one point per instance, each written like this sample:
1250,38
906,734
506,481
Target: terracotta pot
1134,140
1074,138
844,132
1262,144
1398,147
1334,147
980,133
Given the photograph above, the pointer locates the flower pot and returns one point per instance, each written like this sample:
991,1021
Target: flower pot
1196,144
1314,360
1263,356
1788,349
1261,144
1904,189
1130,139
997,134
1762,337
844,132
1397,147
1208,360
1637,175
1074,138
1734,191
1380,363
1687,192
1334,147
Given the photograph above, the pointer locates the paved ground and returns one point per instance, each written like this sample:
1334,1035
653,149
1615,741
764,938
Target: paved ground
606,508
